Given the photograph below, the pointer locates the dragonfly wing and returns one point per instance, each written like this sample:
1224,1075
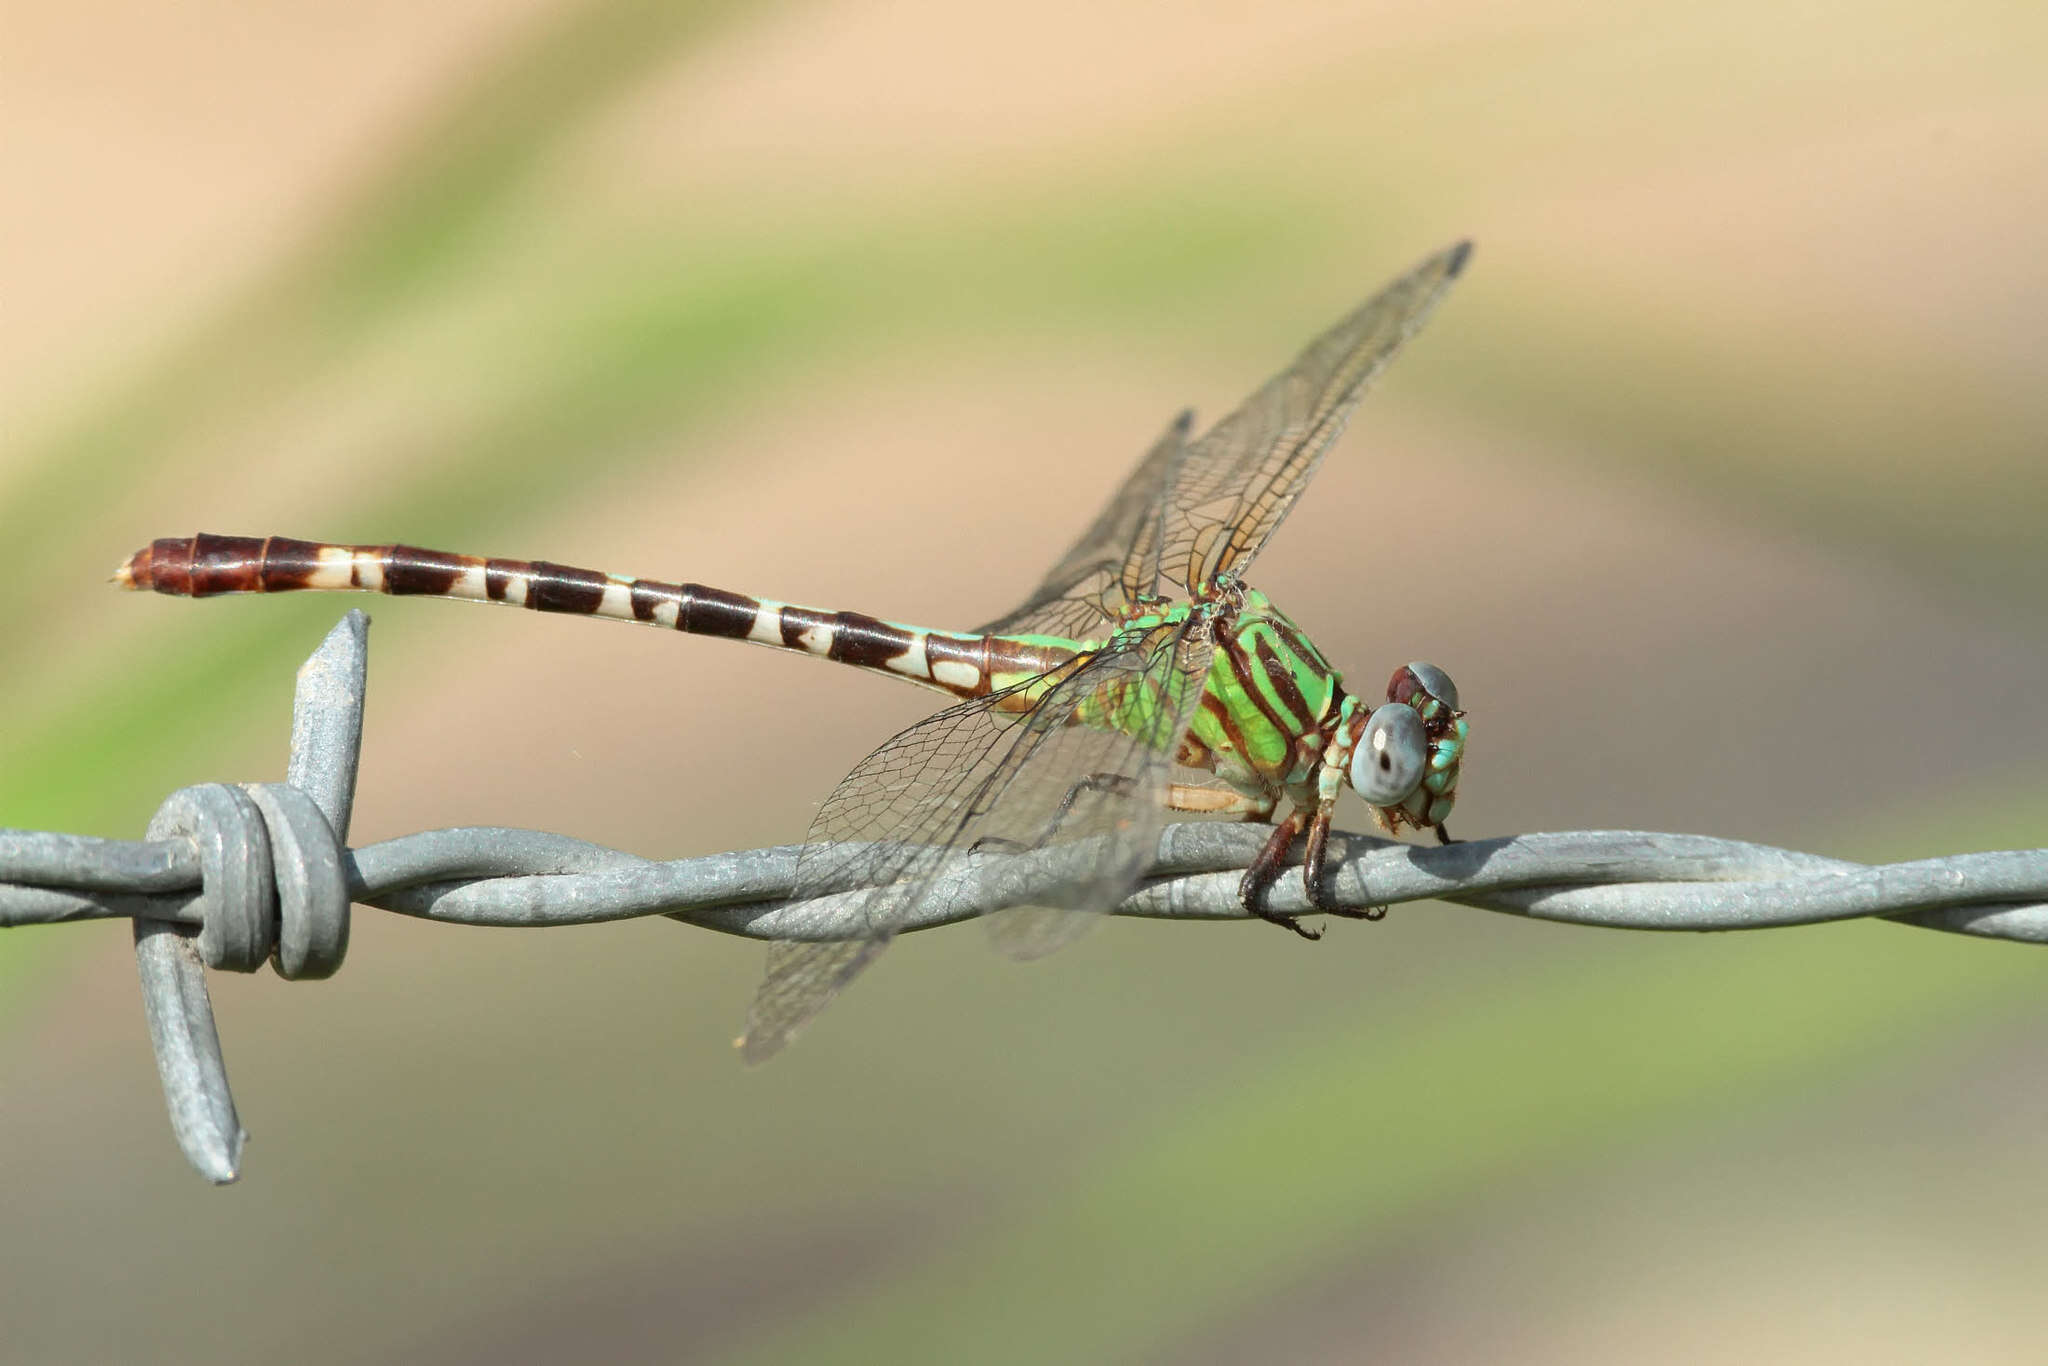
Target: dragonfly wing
800,980
984,778
1114,561
874,831
1241,478
1028,932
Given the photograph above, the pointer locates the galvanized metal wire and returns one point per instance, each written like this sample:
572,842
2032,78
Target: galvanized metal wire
234,877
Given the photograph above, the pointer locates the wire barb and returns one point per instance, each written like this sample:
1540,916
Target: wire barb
235,877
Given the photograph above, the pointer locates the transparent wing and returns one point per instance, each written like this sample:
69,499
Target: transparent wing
1085,767
1239,480
1114,561
1188,512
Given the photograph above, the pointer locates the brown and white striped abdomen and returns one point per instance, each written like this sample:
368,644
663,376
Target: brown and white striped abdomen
206,565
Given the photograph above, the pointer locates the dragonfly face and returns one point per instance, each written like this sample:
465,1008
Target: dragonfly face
1406,755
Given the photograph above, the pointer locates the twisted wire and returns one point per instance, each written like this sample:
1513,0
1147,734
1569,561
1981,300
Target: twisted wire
233,877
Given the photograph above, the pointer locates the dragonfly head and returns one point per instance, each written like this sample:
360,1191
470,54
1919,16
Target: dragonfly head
1406,754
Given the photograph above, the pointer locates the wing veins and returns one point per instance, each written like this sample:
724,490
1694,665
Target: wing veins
1018,772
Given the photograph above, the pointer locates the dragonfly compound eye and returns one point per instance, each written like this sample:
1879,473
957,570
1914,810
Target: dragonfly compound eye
1392,755
1420,677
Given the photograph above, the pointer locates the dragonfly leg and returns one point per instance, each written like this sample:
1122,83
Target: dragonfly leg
1312,857
1219,801
1443,836
1116,784
1314,862
1251,890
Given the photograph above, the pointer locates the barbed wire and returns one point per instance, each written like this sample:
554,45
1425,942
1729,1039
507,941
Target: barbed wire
236,876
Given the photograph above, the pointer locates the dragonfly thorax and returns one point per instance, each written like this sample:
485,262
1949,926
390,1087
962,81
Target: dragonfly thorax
1268,699
1276,720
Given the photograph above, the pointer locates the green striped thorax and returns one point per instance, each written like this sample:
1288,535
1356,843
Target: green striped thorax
1274,716
1279,693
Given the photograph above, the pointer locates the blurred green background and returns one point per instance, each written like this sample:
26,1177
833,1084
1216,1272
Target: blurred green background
1718,485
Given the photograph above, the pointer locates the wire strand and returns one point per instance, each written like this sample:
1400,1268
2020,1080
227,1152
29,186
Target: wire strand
1618,879
233,877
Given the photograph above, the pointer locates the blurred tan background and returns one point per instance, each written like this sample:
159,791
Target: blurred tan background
1717,484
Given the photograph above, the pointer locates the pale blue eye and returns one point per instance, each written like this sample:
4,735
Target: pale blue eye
1437,681
1392,756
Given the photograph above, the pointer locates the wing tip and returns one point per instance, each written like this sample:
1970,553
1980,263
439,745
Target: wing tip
1456,257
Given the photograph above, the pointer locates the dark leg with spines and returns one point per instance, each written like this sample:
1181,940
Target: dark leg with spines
1313,865
1259,877
1117,784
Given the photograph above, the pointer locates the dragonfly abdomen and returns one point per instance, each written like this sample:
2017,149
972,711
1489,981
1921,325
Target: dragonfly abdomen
206,565
963,665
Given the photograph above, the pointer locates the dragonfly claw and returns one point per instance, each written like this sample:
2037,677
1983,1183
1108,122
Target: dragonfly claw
1292,922
1251,894
1368,913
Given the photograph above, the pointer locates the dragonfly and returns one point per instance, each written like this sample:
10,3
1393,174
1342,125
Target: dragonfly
1143,677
